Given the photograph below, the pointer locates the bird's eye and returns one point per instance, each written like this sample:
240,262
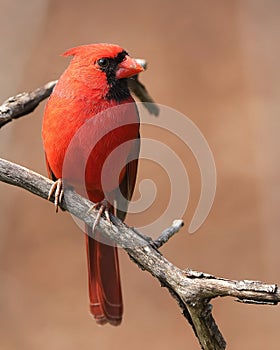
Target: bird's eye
103,62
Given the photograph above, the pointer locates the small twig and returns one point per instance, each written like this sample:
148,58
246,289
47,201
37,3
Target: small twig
168,233
24,103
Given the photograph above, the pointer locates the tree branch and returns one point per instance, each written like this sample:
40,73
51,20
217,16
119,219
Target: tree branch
192,290
168,233
24,103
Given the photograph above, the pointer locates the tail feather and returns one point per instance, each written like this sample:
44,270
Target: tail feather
104,281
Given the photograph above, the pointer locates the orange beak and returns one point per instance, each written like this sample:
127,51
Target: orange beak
128,67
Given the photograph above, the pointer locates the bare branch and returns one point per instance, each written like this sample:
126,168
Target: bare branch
168,233
24,103
252,292
207,332
192,290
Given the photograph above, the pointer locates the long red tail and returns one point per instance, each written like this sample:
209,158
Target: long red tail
104,281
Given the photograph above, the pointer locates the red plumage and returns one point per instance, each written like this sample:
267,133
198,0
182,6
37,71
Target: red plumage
90,114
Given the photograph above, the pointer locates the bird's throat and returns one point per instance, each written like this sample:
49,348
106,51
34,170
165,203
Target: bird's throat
118,90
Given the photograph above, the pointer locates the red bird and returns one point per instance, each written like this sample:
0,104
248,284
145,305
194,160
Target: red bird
80,114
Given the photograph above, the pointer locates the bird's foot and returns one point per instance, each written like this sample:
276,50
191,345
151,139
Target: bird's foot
57,190
102,207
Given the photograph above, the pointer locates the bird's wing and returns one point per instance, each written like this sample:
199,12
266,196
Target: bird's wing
128,183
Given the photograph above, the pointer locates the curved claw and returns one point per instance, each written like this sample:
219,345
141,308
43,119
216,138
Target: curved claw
57,190
103,207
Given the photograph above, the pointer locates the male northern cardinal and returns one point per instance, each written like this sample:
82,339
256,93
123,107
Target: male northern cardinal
84,99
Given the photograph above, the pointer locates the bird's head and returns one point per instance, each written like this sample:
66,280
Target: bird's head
103,67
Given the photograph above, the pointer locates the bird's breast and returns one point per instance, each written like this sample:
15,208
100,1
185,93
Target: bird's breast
95,142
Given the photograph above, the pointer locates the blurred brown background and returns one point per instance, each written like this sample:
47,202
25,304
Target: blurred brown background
217,62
